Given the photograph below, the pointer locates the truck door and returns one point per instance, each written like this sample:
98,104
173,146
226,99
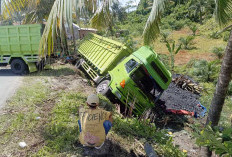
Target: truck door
138,80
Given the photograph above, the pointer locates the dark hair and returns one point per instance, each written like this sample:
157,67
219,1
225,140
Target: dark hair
92,105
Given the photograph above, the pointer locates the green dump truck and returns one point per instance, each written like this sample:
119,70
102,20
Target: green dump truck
19,47
137,79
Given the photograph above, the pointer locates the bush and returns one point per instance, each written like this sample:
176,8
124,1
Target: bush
170,22
226,36
215,35
218,140
187,42
218,51
205,71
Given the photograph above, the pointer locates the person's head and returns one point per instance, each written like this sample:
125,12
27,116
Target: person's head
92,101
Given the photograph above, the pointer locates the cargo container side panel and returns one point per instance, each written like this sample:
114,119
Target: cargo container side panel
20,40
102,53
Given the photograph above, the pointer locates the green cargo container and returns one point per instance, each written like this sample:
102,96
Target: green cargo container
102,54
136,79
19,46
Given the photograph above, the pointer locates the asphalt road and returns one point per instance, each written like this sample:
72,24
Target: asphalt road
9,83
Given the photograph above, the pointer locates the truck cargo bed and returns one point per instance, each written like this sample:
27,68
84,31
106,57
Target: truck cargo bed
102,54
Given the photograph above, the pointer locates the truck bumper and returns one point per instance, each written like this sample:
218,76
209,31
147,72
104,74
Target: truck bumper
32,67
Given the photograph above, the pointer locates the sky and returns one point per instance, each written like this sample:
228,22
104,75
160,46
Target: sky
123,2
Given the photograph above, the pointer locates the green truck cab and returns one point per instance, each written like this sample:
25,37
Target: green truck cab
137,79
19,47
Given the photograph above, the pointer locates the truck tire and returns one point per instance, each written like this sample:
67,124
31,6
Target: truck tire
18,66
103,88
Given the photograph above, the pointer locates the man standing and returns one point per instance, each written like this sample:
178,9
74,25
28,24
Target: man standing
94,123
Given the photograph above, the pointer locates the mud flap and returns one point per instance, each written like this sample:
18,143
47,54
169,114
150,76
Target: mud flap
32,67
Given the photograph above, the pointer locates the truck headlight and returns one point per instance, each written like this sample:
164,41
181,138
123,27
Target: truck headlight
118,94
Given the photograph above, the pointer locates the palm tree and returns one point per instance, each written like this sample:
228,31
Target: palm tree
222,13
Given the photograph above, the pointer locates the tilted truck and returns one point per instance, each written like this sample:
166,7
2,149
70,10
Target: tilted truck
19,47
137,79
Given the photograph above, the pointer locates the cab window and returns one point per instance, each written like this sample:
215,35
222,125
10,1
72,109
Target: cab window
130,65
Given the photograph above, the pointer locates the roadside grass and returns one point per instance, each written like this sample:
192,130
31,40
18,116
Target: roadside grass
18,119
27,112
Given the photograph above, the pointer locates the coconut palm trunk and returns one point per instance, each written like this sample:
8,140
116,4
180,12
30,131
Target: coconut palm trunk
222,86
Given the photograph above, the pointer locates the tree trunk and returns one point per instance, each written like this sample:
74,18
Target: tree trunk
222,86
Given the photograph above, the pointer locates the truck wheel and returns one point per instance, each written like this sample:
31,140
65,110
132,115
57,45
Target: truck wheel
18,66
78,64
103,88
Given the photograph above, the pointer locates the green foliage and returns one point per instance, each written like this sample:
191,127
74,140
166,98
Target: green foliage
170,22
204,71
164,36
218,51
230,89
193,28
218,140
141,129
128,41
215,35
226,36
169,149
187,42
172,53
165,59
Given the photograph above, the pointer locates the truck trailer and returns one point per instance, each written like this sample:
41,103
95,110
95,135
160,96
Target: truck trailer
137,79
19,47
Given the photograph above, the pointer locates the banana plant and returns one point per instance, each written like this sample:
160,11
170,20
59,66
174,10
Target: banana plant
172,52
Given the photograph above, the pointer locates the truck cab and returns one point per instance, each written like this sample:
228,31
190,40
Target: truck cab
139,80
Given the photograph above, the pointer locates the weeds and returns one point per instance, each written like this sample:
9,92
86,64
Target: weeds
187,42
215,35
194,29
218,140
218,51
205,71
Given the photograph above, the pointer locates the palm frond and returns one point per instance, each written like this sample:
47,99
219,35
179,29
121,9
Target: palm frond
102,16
9,7
223,11
61,16
152,30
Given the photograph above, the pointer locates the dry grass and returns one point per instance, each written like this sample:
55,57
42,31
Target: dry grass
202,43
